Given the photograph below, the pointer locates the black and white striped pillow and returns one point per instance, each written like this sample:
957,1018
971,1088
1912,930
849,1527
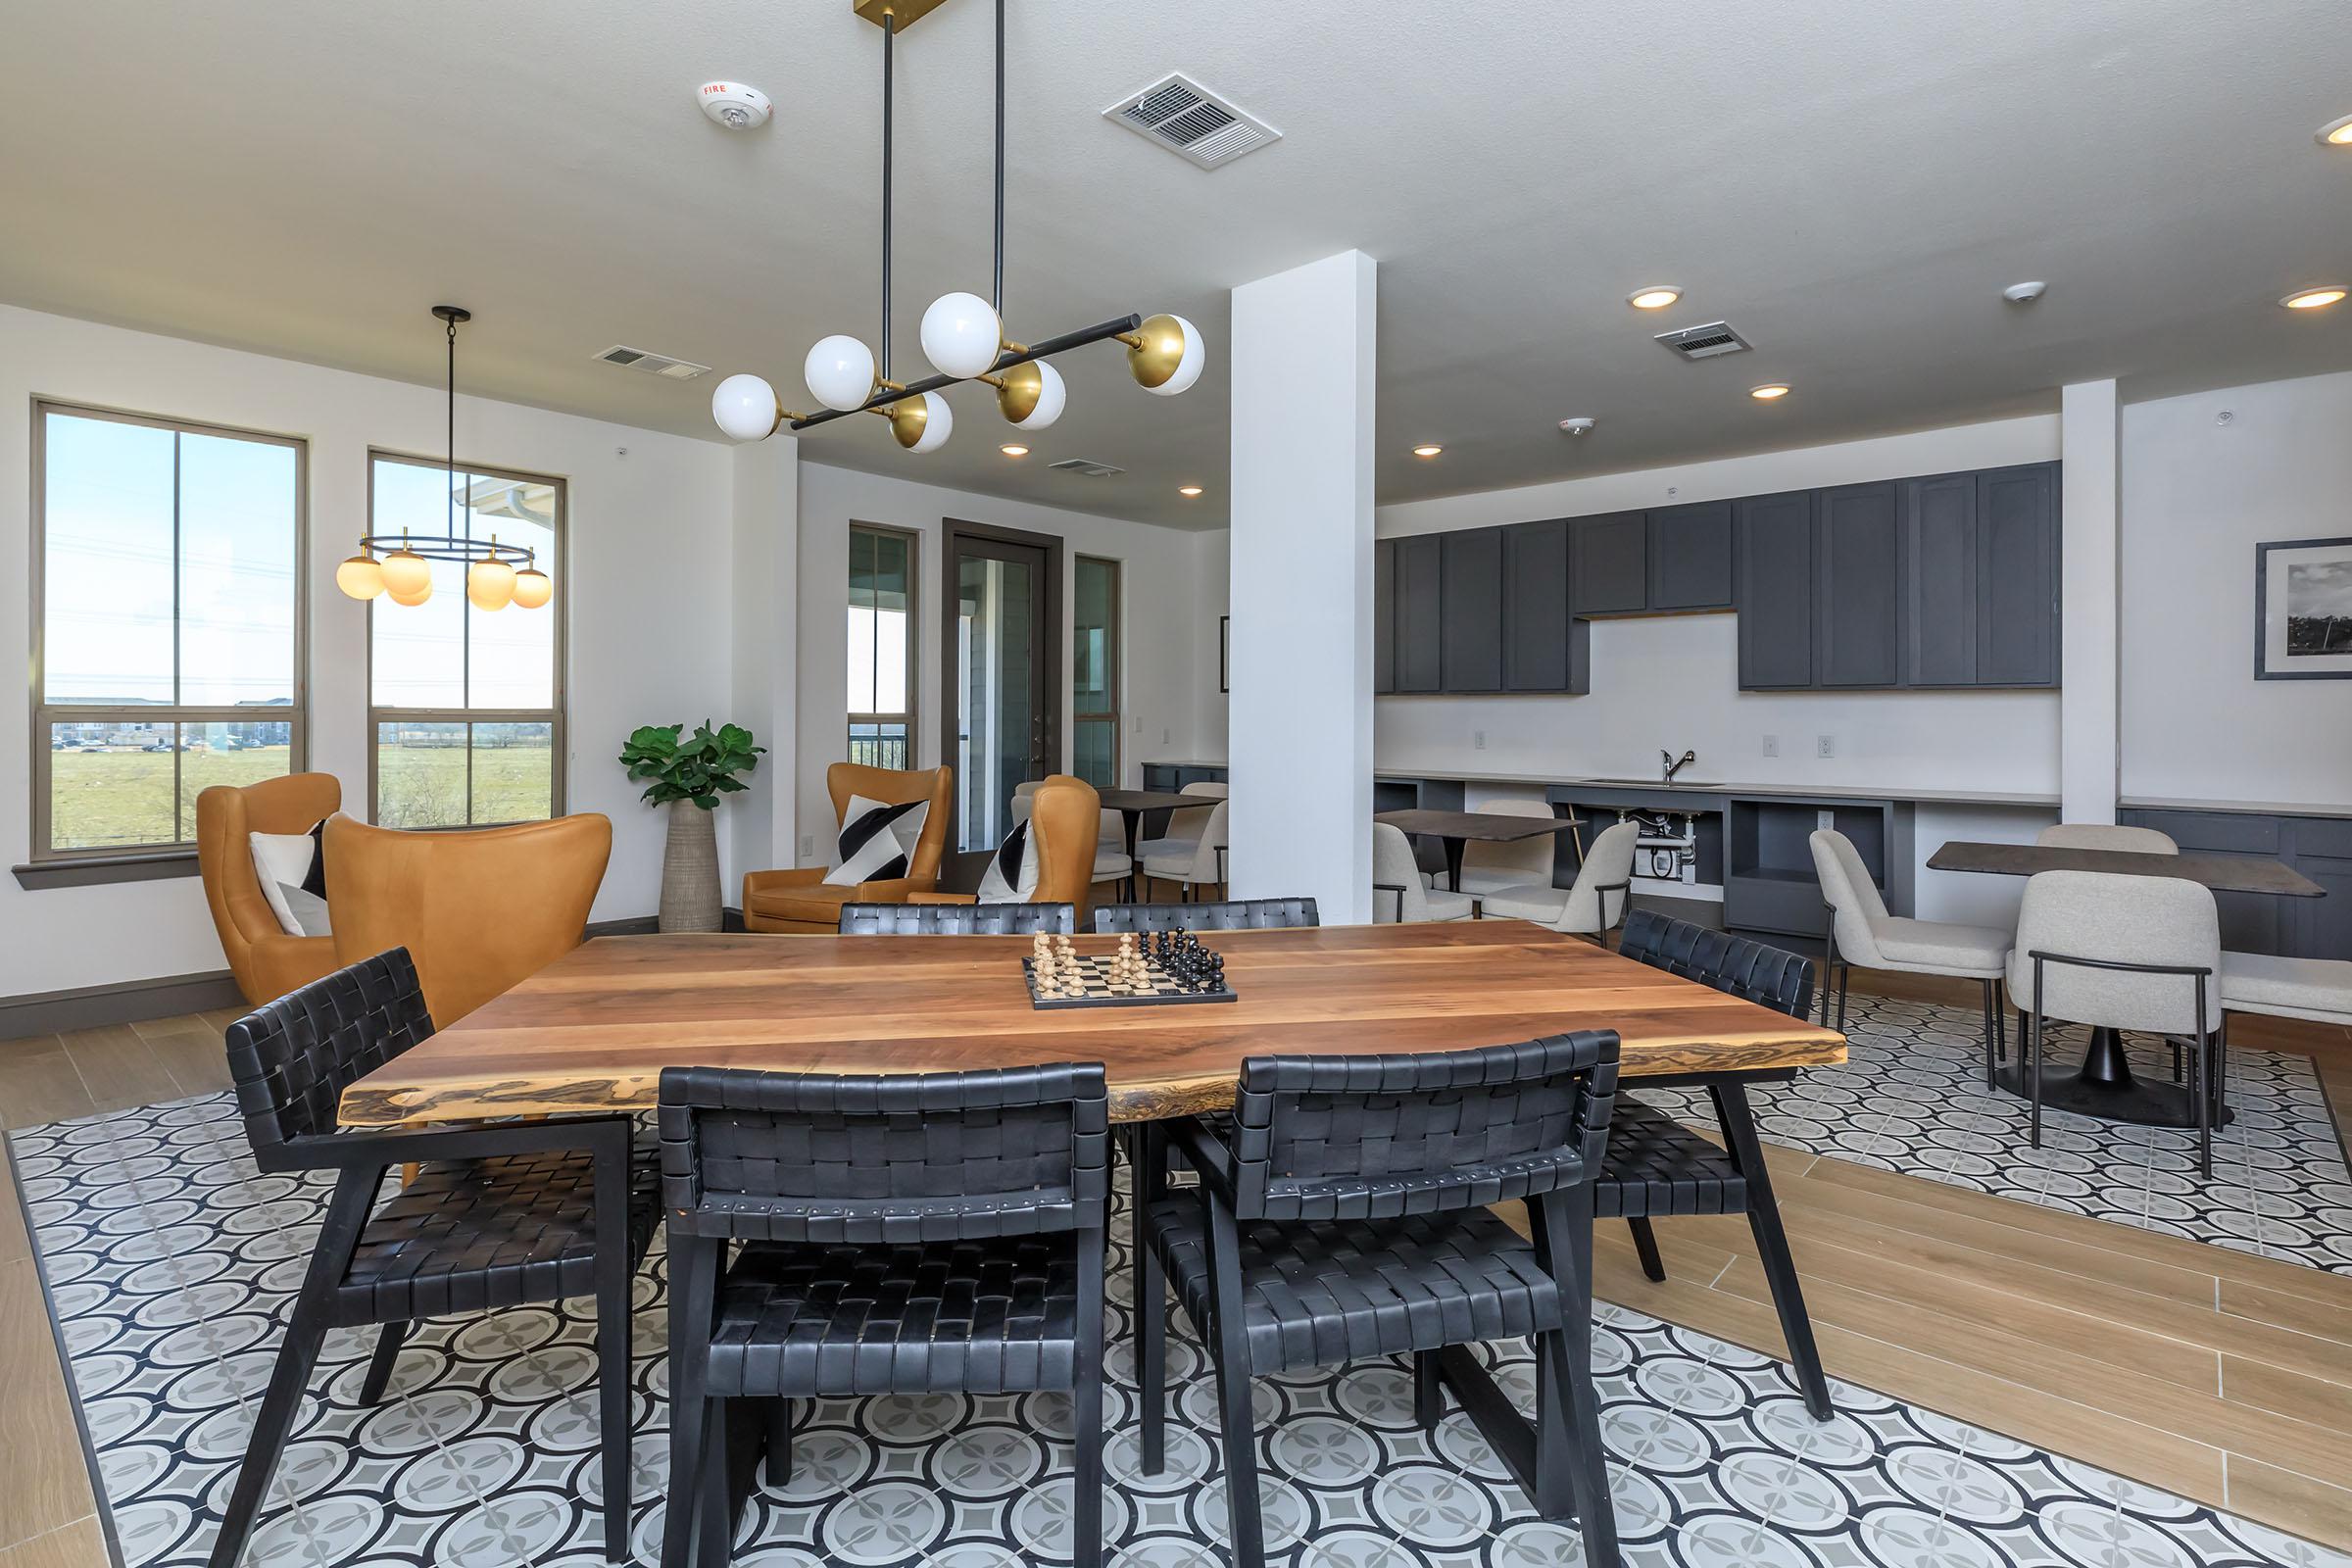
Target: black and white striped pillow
1012,874
877,841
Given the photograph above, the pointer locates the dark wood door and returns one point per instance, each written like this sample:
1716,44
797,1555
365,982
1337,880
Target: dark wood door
2017,576
1859,587
1470,590
1001,690
1420,620
1774,597
1543,644
1383,615
1691,557
1939,526
1609,564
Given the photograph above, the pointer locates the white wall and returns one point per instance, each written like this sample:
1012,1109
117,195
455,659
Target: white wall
645,595
1165,616
765,616
2197,496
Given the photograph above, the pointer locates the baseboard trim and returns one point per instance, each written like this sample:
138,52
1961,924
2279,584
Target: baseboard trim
49,1012
730,918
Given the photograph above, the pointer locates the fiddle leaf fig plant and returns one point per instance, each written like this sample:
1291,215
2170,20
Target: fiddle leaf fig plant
700,767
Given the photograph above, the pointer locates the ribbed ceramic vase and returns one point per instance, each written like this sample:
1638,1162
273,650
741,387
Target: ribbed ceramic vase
690,869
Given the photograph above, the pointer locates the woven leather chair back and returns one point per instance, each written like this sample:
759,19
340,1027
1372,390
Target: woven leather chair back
919,1157
955,919
292,1058
1234,915
1376,1136
1764,975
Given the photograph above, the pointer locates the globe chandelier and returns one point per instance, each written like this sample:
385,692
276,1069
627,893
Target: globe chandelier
962,335
496,575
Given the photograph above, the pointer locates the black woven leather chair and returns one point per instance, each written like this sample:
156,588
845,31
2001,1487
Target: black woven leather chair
918,1234
1656,1169
495,1216
955,919
1347,1218
1233,915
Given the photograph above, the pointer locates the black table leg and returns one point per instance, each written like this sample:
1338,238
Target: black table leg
1454,864
2105,1087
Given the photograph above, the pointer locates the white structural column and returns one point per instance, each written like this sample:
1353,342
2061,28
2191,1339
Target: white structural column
1299,725
2091,700
765,591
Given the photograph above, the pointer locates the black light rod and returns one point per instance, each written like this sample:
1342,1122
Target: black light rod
1004,361
890,30
997,299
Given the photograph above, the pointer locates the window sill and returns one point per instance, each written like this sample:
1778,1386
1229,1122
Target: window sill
99,870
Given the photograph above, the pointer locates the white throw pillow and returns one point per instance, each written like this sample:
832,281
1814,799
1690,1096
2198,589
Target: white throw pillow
877,841
1012,874
290,865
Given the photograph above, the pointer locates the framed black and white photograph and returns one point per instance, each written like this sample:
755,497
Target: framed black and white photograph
2303,609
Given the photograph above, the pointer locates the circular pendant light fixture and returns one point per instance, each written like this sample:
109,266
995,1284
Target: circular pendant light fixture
496,575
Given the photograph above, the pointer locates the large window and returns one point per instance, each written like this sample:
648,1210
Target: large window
1094,673
466,704
881,632
168,652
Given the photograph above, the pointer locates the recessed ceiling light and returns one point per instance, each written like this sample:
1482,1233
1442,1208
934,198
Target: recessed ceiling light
2337,133
2313,299
1013,449
1653,297
1188,490
1427,449
1768,391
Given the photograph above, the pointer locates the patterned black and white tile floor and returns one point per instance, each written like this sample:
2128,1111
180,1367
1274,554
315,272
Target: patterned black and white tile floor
1911,1098
174,1263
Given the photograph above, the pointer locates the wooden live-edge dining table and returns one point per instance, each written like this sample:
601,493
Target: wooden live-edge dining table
593,1030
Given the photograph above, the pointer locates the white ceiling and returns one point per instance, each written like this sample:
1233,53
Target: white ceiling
1850,182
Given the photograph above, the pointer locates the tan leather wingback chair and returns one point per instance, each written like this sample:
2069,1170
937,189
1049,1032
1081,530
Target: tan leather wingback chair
1065,823
267,963
804,900
477,911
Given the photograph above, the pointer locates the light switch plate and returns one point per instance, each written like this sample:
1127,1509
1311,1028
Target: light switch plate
1478,740
807,845
1824,746
1771,746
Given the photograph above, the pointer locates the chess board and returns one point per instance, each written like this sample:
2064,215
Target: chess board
1094,988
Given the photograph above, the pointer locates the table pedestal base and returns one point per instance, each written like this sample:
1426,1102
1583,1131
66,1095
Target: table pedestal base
2104,1087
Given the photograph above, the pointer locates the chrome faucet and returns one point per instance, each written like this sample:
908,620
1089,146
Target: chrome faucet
1666,760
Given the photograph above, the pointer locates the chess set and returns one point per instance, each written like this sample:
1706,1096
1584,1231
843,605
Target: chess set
1158,968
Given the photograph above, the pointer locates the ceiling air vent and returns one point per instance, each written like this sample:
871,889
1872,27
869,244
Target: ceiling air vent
1189,120
1705,342
653,363
1088,467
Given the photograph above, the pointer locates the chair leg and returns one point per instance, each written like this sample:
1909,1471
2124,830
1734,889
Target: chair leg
1992,1012
1086,1415
1231,1351
714,1543
346,1216
1772,1244
779,1442
2000,1019
613,1334
693,1283
1845,981
382,1361
1429,1391
2029,1059
1645,1243
1566,1227
1150,1304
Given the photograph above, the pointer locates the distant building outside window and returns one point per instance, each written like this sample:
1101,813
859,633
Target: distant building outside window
1095,672
881,647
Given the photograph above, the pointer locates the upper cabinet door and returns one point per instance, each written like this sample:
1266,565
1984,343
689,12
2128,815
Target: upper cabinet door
1608,569
1419,621
1543,645
1940,532
1471,591
2017,576
1691,557
1383,615
1858,616
1775,539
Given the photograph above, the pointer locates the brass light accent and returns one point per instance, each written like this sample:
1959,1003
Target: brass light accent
901,13
907,421
1018,391
1154,350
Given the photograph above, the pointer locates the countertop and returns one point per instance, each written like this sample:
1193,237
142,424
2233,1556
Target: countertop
1746,791
2156,802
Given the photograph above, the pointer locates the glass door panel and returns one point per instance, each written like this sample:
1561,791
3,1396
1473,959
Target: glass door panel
1003,712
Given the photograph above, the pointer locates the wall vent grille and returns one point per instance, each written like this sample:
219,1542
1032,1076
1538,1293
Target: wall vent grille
661,364
1087,467
1706,342
1190,120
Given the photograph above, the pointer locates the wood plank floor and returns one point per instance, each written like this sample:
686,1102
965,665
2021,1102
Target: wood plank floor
2222,1377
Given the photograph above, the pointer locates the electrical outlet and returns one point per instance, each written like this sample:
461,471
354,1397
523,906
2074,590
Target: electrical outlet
1165,736
1138,723
807,845
1478,740
1771,746
1824,746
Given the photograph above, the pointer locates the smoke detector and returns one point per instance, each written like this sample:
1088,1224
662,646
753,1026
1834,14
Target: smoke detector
1705,342
1087,467
734,105
1580,425
1190,120
661,364
2024,293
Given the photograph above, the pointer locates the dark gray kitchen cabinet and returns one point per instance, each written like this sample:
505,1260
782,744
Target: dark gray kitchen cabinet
1383,615
1940,532
2017,589
1608,569
1470,597
1545,648
1775,590
1691,557
1420,620
1858,621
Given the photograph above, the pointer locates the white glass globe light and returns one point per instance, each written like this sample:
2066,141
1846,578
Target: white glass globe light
489,584
1051,395
746,408
923,425
412,597
962,336
361,577
533,588
840,373
408,576
1188,369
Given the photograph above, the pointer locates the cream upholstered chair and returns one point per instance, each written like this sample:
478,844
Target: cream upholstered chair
1861,931
1112,864
1518,868
2105,836
1398,887
1197,865
2123,952
1596,904
2318,989
1185,825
